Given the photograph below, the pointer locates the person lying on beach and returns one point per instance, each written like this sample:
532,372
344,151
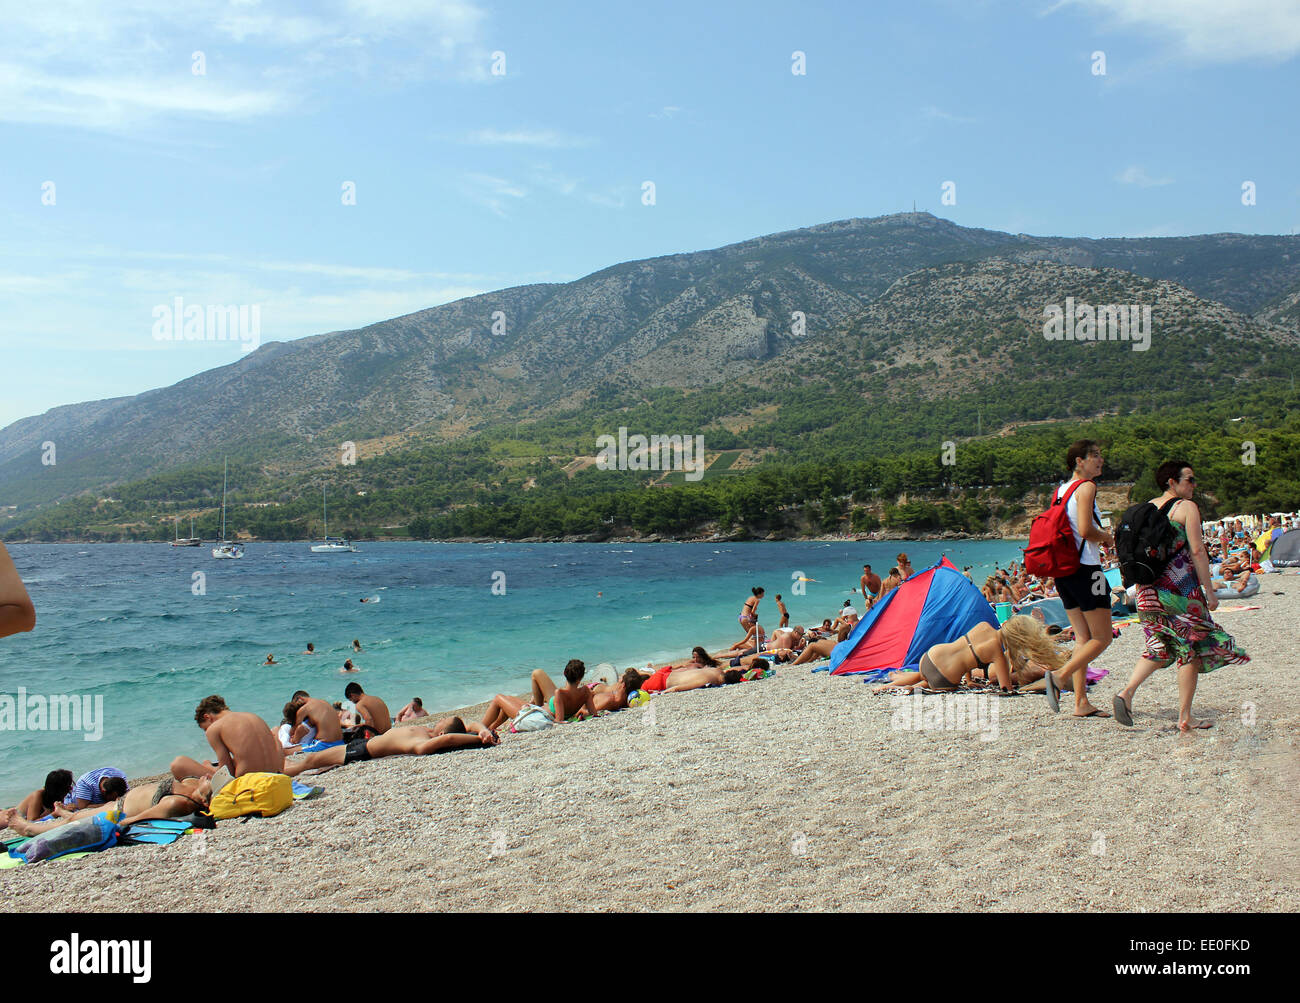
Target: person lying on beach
816,650
605,697
675,680
991,652
169,798
447,735
309,712
243,742
17,614
96,787
412,711
817,633
373,711
571,702
39,803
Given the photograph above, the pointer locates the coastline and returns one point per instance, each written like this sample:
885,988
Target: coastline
798,792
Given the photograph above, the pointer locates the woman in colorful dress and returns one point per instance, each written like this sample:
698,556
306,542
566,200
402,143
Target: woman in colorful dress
1175,609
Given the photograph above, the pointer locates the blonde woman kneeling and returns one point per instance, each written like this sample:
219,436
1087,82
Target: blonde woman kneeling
990,651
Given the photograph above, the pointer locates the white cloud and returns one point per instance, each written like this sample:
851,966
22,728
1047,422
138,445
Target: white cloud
548,138
668,111
492,192
930,111
1210,30
123,65
1137,175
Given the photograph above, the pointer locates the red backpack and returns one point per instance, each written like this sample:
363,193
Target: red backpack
1051,552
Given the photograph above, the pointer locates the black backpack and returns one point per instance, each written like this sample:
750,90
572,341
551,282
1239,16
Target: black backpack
1144,542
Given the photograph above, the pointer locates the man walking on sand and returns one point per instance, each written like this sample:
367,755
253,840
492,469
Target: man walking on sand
869,584
242,741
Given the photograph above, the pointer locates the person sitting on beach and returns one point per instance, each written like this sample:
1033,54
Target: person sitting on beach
373,711
309,712
572,702
605,697
757,639
311,649
17,614
985,652
39,803
270,660
349,667
96,787
447,735
412,711
347,718
242,741
169,798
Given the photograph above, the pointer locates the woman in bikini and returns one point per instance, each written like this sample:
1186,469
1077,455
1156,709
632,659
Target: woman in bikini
169,798
1002,653
749,617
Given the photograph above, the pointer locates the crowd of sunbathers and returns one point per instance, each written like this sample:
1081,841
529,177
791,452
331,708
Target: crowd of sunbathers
315,734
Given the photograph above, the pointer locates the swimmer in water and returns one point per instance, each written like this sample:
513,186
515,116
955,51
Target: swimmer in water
270,660
311,649
356,646
349,667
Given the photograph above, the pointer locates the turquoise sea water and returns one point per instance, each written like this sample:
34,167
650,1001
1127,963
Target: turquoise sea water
123,622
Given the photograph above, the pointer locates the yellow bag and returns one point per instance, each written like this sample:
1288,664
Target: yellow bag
264,794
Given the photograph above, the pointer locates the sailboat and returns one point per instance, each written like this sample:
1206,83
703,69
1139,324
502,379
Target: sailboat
190,541
227,549
330,545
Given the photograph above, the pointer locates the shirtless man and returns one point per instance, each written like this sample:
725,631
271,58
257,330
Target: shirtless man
412,711
309,712
869,584
571,701
169,798
447,735
670,680
785,613
604,696
373,711
242,741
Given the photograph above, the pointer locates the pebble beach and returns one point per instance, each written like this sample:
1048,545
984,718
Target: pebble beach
793,793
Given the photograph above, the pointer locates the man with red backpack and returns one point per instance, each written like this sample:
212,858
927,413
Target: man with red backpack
1063,545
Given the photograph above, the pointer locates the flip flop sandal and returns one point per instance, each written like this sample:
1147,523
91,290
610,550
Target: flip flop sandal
1053,691
1123,713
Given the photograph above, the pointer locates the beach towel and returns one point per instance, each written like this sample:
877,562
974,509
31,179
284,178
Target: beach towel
301,792
318,745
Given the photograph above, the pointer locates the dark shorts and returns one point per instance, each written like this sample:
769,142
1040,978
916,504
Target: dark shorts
356,751
1080,590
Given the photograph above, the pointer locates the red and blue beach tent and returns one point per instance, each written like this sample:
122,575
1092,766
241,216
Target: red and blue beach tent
932,607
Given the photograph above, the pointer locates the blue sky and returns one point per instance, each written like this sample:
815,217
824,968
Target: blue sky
225,187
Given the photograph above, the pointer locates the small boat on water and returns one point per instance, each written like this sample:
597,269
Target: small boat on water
226,549
330,544
190,541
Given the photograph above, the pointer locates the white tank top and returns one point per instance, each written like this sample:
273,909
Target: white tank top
1092,550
